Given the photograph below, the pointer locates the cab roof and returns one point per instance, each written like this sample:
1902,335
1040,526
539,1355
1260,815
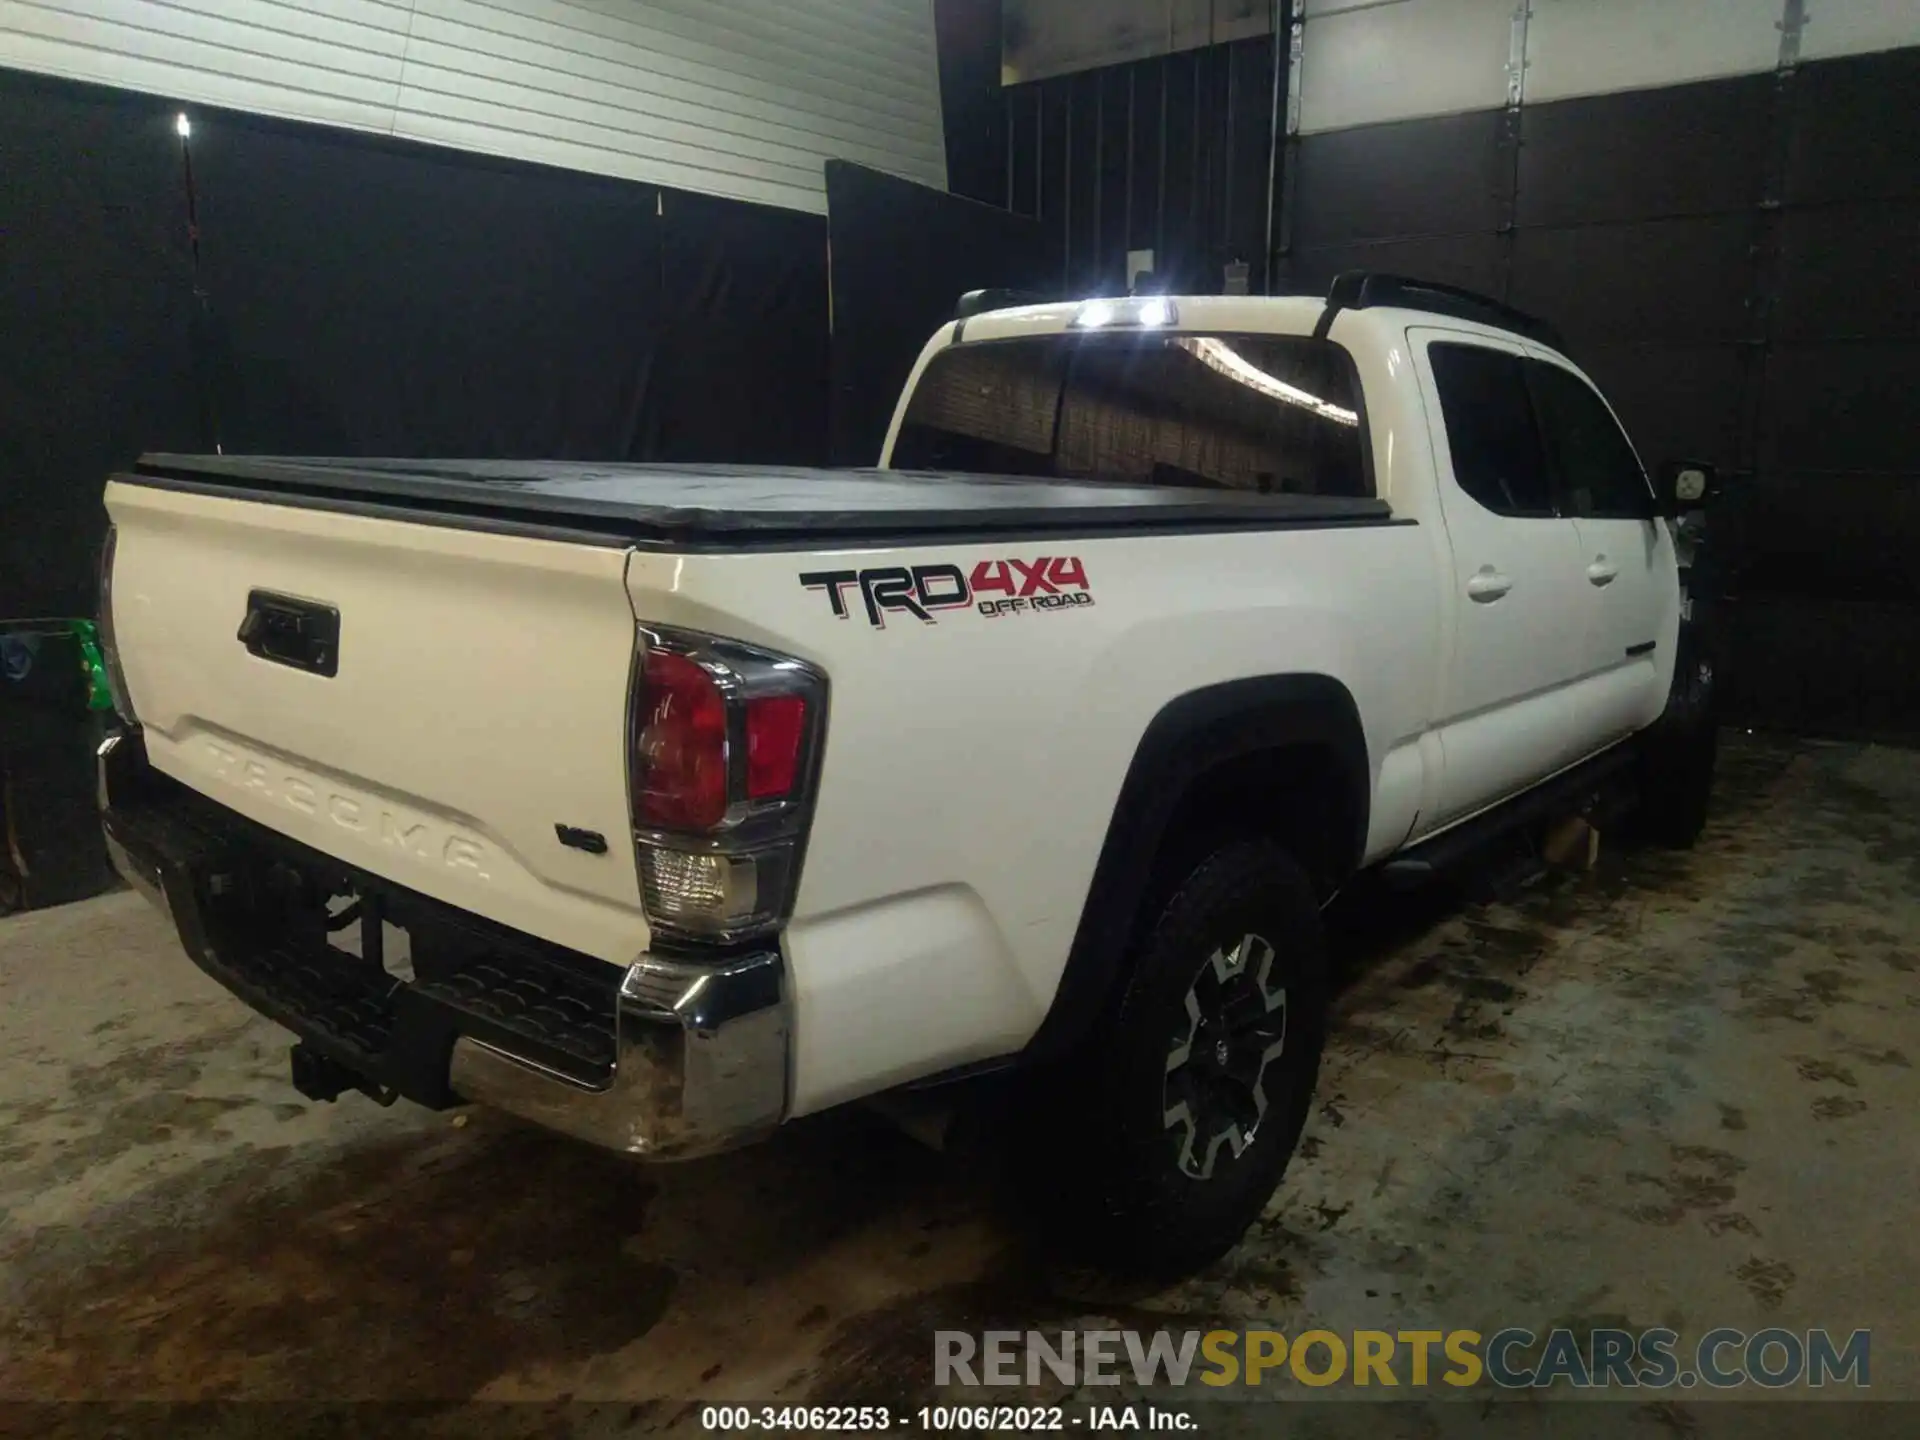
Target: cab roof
990,314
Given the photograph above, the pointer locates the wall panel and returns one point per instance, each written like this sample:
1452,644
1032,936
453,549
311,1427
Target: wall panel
1428,177
1690,150
745,98
1826,252
1575,47
1735,261
1046,38
1397,61
1854,129
1616,282
1858,27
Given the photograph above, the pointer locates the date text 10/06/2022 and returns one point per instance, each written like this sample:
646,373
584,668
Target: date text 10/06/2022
986,1419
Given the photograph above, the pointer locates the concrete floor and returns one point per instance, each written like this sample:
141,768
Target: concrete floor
1676,1090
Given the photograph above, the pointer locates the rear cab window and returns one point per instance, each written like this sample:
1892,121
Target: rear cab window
1262,413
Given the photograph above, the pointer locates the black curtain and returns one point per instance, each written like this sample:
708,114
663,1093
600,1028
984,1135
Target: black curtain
379,298
744,349
95,317
902,256
95,314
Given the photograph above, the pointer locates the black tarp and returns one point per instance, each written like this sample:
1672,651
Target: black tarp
359,295
356,295
95,313
95,364
377,298
902,256
743,357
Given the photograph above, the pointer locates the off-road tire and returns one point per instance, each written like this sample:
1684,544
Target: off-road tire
1678,753
1124,1187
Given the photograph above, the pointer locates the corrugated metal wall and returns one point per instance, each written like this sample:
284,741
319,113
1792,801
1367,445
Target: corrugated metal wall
740,98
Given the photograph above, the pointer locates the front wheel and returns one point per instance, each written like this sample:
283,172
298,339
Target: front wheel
1678,753
1181,1112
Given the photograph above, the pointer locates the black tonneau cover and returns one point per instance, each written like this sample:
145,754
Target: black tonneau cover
734,507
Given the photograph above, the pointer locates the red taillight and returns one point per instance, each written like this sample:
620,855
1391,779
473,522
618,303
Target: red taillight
681,751
776,724
726,749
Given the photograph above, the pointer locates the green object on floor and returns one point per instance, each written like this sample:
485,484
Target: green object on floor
93,664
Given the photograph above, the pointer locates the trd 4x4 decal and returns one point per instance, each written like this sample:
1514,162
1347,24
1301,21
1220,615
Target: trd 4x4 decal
996,587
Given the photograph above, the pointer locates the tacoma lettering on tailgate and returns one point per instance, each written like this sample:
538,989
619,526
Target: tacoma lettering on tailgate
1047,585
369,821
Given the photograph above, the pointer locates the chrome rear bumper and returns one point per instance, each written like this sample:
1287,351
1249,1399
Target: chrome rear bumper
701,1063
681,1058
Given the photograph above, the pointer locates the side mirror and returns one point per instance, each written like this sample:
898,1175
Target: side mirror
1684,485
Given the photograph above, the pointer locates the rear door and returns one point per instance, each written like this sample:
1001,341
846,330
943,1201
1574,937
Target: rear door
1626,554
1517,575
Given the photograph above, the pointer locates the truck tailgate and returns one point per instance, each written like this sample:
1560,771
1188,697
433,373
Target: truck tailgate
478,700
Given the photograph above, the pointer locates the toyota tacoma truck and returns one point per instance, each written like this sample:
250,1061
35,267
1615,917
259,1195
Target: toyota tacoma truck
661,806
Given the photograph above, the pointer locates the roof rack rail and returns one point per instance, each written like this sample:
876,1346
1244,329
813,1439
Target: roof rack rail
978,302
1363,289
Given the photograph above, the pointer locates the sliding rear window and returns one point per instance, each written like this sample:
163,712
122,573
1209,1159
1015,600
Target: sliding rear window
1262,413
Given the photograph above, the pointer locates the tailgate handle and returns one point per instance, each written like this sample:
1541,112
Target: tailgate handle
302,634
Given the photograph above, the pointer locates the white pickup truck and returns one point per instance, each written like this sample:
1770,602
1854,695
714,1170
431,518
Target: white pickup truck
707,798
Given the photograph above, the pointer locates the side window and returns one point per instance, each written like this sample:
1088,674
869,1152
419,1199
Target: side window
1592,461
1497,456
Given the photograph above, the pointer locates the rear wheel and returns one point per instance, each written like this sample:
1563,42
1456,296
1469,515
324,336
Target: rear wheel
1181,1112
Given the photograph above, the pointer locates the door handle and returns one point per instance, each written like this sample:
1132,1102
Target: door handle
1488,585
1602,573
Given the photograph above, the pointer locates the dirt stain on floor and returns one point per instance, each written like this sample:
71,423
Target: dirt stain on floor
1768,1281
441,1258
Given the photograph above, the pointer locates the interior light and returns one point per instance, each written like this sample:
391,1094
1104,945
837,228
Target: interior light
1156,312
182,126
1094,314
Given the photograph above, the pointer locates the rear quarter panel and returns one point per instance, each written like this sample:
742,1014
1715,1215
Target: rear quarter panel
972,762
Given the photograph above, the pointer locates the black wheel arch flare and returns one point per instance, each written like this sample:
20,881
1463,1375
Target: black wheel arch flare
1194,735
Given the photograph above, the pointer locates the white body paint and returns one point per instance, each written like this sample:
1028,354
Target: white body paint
972,763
